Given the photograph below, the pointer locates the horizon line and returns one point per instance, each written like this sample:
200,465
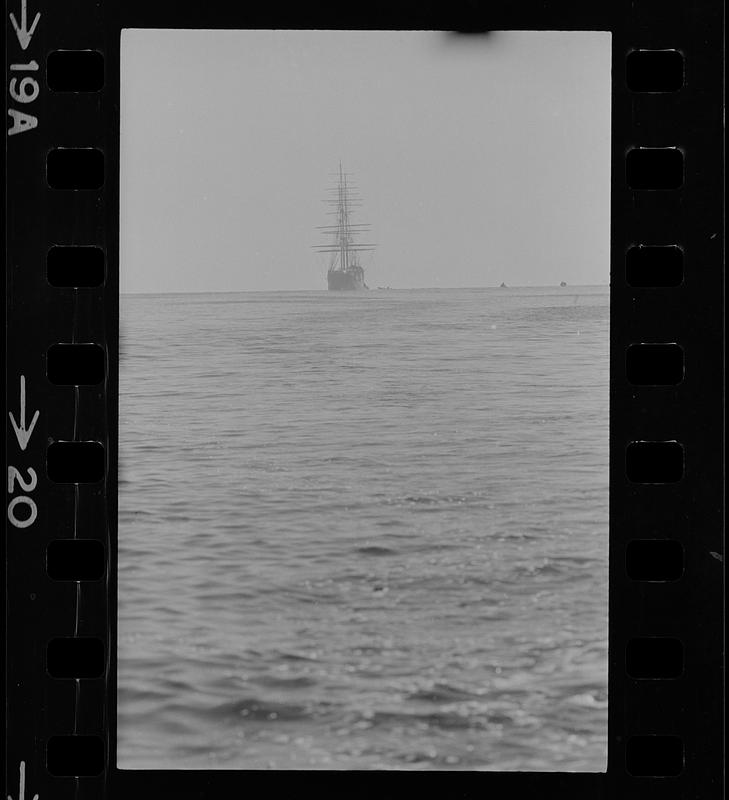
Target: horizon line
383,288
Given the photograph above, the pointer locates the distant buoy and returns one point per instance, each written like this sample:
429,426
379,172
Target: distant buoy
563,284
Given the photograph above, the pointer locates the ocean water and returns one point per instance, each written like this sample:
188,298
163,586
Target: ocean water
364,530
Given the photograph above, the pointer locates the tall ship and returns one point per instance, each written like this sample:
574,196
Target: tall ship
345,272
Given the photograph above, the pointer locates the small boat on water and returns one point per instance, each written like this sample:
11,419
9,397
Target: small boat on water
503,286
345,272
563,284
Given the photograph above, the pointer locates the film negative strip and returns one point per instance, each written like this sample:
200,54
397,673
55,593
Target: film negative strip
64,182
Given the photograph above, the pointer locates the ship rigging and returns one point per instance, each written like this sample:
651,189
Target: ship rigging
345,270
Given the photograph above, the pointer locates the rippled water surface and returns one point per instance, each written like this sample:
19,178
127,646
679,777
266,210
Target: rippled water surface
364,531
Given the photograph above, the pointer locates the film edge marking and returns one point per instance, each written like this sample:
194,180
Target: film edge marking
22,435
29,88
21,785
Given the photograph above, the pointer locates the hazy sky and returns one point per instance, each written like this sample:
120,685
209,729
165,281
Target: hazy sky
478,161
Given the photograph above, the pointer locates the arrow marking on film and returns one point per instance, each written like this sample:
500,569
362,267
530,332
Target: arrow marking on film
21,790
23,32
23,434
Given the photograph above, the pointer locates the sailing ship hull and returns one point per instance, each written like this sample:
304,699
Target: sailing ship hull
351,279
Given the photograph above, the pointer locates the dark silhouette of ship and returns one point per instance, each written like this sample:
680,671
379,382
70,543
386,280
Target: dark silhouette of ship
345,272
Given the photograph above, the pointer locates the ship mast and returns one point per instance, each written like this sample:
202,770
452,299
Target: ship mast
343,219
343,232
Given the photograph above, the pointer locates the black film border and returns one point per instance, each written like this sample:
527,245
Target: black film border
666,503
